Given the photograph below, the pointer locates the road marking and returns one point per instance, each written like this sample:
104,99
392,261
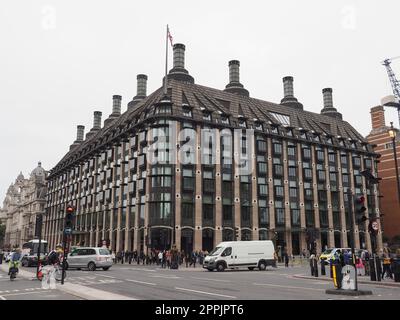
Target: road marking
287,287
22,293
209,293
97,274
2,298
150,283
166,277
218,280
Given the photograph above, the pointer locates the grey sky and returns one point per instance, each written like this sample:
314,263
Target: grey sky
61,60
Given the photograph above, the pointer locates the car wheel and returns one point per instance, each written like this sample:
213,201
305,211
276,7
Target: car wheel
209,269
106,268
91,266
220,267
262,266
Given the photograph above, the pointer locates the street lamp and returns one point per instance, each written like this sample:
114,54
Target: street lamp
392,134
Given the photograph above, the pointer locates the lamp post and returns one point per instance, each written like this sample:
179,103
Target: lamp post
392,134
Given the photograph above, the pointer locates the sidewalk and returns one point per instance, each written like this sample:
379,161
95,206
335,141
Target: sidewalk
74,289
360,279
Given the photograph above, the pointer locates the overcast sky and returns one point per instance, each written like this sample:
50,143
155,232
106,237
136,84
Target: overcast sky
62,60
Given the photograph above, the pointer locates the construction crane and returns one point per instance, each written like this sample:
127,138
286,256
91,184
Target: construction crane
395,86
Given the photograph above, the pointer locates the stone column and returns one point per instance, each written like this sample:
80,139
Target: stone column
331,234
218,190
288,234
236,182
271,190
303,242
254,191
343,238
353,190
198,232
315,193
178,191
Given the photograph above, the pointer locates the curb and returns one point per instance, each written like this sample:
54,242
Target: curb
373,283
78,290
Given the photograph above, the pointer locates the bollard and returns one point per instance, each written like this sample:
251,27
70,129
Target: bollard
331,269
323,272
372,269
396,269
315,264
1,258
378,268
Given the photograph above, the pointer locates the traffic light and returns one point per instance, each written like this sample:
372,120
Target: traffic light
69,217
237,233
360,209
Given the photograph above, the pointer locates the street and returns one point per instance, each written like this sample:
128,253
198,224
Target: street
153,283
26,289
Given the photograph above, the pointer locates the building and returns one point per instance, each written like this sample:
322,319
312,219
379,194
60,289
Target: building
194,166
383,144
25,198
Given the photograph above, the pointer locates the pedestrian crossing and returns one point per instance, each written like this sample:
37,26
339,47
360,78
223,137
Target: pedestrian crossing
90,280
21,290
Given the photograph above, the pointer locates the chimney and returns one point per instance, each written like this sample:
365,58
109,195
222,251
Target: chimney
328,108
288,93
234,71
178,72
141,85
378,117
80,133
97,120
141,91
116,105
234,85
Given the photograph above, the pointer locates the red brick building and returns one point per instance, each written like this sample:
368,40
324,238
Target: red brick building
389,204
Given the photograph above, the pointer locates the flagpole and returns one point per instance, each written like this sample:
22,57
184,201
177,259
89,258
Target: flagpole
166,62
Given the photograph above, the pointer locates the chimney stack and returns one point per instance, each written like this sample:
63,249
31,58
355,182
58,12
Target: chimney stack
141,85
178,72
378,117
288,93
97,120
328,108
116,105
234,85
234,71
80,133
141,91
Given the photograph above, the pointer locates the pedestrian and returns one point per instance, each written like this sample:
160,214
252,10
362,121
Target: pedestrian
168,259
312,257
359,266
160,258
187,259
286,258
386,267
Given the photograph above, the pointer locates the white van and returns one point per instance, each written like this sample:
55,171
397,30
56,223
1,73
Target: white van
239,254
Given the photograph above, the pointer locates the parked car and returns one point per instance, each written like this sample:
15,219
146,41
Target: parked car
327,255
89,257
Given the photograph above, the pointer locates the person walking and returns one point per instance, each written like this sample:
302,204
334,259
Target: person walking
286,258
386,267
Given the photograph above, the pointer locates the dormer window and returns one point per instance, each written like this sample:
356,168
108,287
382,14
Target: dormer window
303,135
187,112
274,129
289,132
317,137
207,116
258,126
224,120
353,145
329,140
242,123
341,142
163,109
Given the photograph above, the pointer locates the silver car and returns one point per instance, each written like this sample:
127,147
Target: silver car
89,257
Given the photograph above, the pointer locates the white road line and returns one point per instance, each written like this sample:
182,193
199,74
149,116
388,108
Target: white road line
208,293
165,277
218,280
22,293
2,298
287,287
150,283
97,274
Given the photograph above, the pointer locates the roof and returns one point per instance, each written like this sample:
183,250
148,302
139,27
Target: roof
220,104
